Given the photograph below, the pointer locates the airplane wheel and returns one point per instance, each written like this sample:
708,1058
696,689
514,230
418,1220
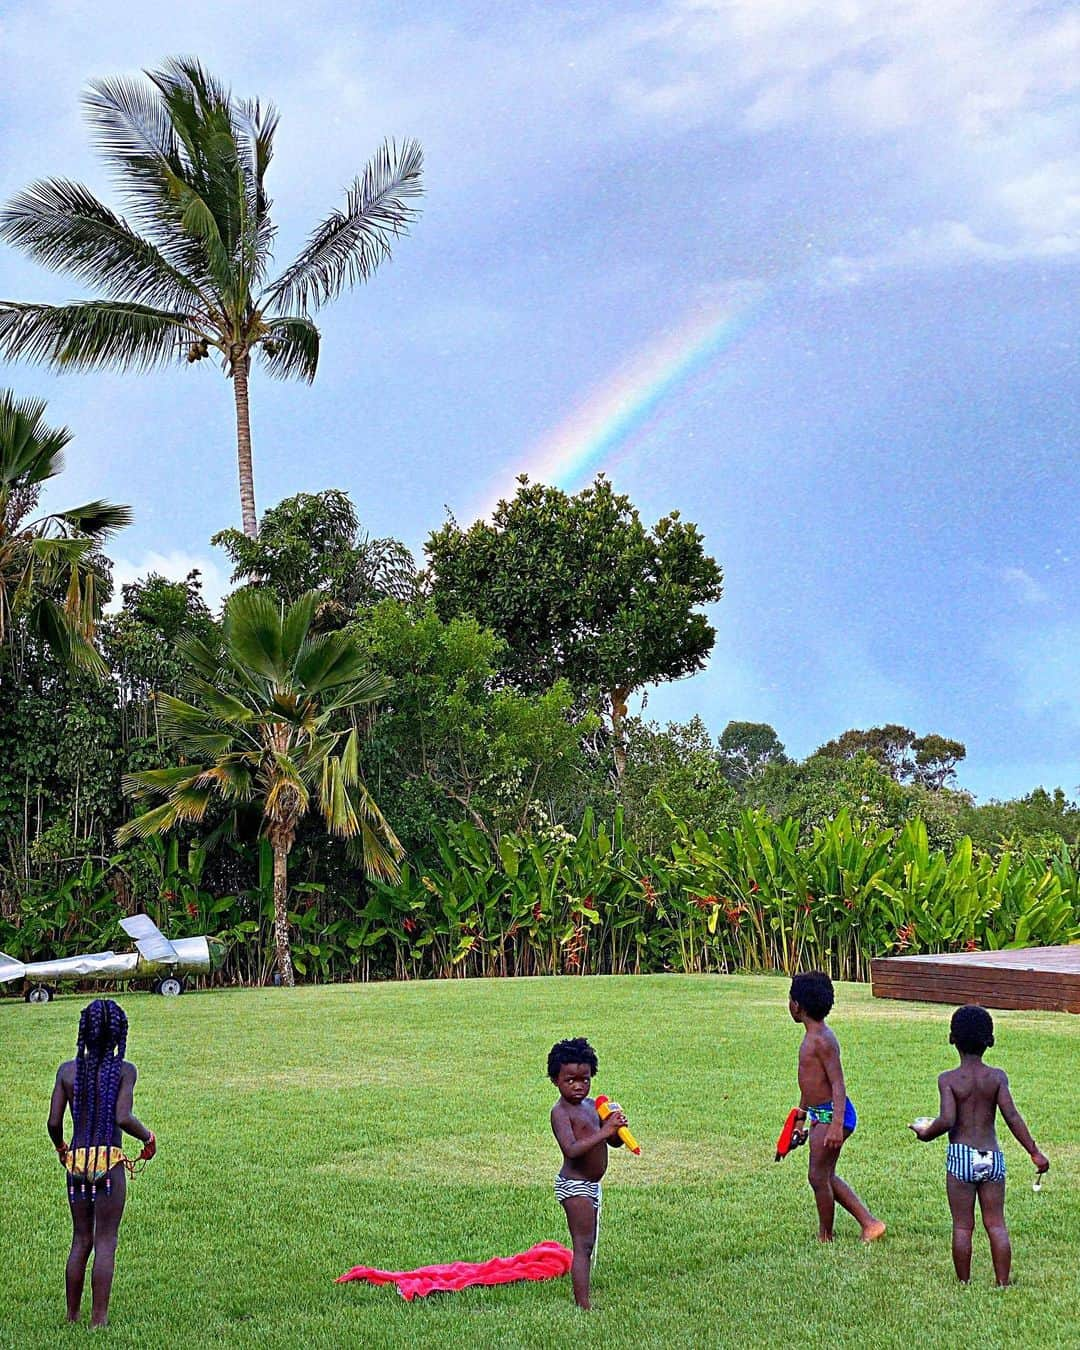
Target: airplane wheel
171,987
39,993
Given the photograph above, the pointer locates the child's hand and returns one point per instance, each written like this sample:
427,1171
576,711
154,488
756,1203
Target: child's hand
614,1122
1041,1161
834,1136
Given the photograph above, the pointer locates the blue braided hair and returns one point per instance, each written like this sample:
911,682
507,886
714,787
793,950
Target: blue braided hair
98,1064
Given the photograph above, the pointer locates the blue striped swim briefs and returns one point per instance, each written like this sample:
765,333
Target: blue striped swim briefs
975,1165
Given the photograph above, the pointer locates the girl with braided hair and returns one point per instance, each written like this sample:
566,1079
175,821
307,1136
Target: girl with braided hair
98,1087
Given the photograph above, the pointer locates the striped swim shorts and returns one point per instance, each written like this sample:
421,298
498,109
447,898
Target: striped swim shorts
975,1165
567,1187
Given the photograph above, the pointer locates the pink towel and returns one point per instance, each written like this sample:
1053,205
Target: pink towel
545,1261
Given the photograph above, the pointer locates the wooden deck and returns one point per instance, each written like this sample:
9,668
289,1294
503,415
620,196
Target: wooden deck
1026,977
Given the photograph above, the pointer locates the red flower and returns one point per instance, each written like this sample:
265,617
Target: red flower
409,925
650,892
805,908
754,888
538,912
705,902
849,902
971,945
904,936
734,913
192,909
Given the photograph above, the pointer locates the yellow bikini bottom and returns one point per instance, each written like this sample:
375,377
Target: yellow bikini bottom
92,1164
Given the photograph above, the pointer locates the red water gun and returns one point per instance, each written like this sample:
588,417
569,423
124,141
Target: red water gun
790,1136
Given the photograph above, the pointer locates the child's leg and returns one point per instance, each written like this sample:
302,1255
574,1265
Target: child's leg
962,1204
823,1172
581,1219
992,1205
82,1242
110,1210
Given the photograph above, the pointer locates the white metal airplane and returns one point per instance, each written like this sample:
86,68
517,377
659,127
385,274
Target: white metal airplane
156,958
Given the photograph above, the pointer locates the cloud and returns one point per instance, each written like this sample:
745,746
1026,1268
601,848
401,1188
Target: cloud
174,566
1023,587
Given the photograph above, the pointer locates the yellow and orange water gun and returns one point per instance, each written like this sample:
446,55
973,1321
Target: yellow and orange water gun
604,1109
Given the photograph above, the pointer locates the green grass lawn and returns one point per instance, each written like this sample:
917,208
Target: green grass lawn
399,1125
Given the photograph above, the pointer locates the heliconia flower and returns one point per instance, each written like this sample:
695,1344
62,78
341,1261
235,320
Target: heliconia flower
734,914
754,888
192,909
538,912
849,902
904,935
805,908
650,892
971,945
409,925
705,902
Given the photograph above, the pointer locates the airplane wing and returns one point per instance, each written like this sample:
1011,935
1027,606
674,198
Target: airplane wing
150,940
10,969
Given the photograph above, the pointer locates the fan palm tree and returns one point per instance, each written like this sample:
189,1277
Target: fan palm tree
49,566
272,720
189,275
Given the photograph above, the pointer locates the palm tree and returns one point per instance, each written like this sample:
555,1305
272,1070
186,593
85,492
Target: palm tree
50,567
272,721
190,274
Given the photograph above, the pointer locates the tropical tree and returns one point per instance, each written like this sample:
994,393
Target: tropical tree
313,542
271,720
50,567
580,589
189,275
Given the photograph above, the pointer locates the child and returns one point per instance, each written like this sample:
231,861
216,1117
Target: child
971,1096
832,1119
584,1143
98,1087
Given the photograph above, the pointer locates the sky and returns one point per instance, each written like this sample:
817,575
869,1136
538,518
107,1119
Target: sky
806,272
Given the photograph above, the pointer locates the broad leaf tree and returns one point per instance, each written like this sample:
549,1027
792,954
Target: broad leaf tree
581,590
748,748
928,761
51,570
185,273
271,719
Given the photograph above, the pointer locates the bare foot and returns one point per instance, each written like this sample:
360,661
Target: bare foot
824,1237
874,1229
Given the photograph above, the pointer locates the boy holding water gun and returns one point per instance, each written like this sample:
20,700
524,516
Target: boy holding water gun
971,1096
824,1103
583,1138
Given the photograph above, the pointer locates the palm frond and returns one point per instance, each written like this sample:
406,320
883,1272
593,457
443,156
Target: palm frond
349,245
252,630
146,782
156,820
96,520
63,226
30,452
63,635
93,334
290,348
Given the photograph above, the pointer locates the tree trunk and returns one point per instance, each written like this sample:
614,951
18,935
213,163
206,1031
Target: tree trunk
241,369
281,913
618,716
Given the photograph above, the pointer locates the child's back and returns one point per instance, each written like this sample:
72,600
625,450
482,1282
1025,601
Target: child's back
976,1088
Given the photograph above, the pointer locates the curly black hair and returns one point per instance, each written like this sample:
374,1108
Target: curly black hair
576,1051
971,1029
813,992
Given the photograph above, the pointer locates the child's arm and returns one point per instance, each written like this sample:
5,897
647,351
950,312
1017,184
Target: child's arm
125,1109
946,1116
830,1058
1018,1126
56,1114
576,1147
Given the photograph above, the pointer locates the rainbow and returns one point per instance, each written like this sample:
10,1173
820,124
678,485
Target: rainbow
621,409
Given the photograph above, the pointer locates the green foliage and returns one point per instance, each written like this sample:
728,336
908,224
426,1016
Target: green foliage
53,579
580,590
671,773
313,542
927,761
449,735
748,748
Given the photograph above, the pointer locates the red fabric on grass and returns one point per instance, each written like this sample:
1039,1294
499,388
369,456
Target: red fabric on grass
545,1261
